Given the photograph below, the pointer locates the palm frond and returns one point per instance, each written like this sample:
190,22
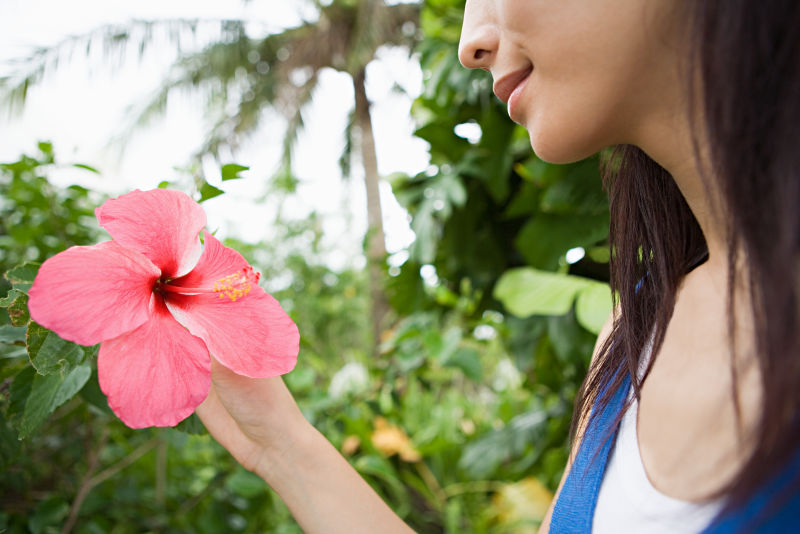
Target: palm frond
239,76
295,121
378,24
109,43
346,157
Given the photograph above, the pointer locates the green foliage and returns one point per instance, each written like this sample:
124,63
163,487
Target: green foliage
49,353
16,304
525,291
38,219
230,171
492,217
195,184
65,456
48,392
453,381
468,399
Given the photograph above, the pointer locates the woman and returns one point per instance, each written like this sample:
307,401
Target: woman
689,414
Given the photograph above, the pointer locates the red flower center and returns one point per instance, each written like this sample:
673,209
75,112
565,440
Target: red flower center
233,286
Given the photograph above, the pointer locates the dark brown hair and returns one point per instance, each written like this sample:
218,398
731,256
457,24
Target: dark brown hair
745,57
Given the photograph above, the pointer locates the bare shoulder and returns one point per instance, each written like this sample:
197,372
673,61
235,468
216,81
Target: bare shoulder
605,331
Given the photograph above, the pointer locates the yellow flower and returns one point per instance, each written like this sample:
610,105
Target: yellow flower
350,445
390,440
522,505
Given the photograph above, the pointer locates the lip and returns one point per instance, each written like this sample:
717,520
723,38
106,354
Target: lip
506,85
514,99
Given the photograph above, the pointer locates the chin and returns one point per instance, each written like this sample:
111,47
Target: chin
562,146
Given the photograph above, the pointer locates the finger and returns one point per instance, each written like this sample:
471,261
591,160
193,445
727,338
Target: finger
222,426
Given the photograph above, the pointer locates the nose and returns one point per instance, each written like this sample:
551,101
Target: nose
479,35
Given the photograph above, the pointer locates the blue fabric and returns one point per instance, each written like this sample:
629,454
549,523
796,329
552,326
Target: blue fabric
574,510
784,519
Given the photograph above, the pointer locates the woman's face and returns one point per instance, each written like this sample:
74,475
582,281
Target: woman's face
579,75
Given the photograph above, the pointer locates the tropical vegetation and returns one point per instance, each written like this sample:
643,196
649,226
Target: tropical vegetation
456,409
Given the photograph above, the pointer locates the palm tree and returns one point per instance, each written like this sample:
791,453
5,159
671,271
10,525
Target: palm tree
243,76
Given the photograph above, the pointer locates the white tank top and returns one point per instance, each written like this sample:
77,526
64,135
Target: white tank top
628,503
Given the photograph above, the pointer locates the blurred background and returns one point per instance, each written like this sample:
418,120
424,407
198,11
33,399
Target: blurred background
448,285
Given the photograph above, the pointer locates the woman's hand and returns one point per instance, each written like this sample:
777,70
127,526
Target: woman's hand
256,419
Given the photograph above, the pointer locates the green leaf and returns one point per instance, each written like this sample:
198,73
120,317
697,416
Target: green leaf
11,352
92,394
371,465
208,191
245,484
86,167
72,384
447,343
482,457
441,136
423,249
525,202
452,189
231,171
526,291
90,352
163,184
302,379
540,173
48,393
48,515
547,237
12,334
468,360
9,445
22,277
191,425
580,191
51,354
599,254
46,147
18,394
571,342
593,306
8,300
17,304
497,161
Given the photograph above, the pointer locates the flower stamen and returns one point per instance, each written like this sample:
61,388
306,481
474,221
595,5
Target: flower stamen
233,286
236,285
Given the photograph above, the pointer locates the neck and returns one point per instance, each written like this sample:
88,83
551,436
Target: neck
673,147
687,164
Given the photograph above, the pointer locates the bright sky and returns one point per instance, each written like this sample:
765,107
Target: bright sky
82,106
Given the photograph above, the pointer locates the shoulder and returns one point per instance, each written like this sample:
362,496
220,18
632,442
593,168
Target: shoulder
605,332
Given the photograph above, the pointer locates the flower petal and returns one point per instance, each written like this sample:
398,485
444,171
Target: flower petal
252,335
161,224
91,294
216,262
156,375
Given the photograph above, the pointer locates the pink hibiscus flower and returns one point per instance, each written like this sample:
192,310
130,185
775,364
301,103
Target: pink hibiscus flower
159,302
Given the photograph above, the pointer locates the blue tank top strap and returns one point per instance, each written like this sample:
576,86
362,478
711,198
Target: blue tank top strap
574,510
775,509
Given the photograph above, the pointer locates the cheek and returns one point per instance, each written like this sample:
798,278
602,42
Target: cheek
590,81
570,118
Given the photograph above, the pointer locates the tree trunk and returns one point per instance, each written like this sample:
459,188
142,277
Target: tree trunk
376,243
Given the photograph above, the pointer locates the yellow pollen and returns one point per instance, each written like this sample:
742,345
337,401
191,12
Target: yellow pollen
237,285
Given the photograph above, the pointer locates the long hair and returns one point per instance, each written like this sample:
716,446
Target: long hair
745,57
